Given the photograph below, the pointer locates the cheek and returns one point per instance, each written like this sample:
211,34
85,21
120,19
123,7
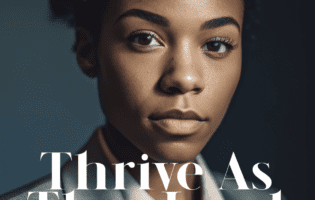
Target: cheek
222,81
128,79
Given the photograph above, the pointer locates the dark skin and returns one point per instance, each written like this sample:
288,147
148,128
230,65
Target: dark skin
165,82
129,153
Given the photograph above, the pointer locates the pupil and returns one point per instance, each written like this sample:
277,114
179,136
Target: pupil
144,39
213,46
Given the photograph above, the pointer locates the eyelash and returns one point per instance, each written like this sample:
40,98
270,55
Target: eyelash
227,42
131,38
135,36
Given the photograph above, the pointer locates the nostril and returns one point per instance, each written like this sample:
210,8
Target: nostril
180,89
197,90
174,90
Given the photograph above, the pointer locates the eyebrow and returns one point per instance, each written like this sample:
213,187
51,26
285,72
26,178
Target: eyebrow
218,22
151,17
160,20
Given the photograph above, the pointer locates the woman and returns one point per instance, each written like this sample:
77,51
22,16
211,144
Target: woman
166,71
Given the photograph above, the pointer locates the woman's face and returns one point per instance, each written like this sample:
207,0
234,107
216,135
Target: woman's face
168,70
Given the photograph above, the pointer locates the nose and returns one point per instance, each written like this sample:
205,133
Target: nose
183,72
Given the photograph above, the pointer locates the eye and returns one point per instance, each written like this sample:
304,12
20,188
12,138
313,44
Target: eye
144,39
218,49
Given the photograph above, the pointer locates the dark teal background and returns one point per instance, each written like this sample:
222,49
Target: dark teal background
47,104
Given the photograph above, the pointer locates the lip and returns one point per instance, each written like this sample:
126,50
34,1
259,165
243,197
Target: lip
177,122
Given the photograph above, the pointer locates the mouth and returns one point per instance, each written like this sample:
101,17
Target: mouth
176,122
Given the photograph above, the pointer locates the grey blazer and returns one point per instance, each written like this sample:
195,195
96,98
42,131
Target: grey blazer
211,181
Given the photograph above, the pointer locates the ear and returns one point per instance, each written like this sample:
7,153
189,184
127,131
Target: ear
86,52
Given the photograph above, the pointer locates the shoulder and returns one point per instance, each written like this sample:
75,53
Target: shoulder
230,190
42,184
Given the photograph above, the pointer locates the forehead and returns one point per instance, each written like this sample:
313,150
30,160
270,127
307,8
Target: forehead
186,11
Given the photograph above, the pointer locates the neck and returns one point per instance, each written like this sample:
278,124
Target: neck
126,152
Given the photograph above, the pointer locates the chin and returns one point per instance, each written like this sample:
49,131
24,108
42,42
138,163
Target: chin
175,152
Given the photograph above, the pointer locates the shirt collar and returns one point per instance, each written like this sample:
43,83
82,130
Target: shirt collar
209,187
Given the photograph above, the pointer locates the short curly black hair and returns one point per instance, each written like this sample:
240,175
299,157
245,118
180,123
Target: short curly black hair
80,13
